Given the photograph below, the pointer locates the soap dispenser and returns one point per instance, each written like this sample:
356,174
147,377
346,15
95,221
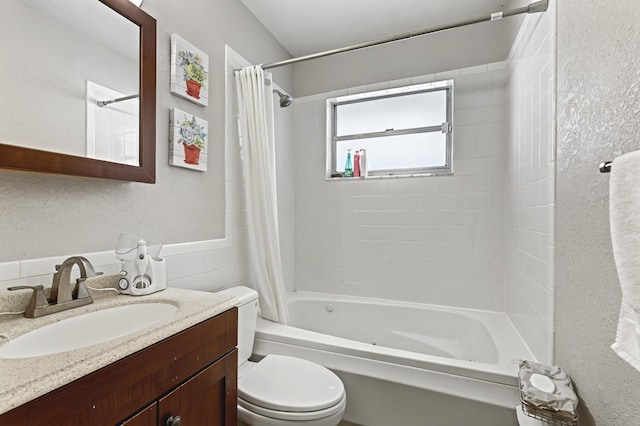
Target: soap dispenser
348,167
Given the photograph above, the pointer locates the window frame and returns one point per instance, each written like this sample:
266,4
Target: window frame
447,127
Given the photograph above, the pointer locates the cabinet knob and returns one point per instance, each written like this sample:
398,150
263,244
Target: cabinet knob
173,421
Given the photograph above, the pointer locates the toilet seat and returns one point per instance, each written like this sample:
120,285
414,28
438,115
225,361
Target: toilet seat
287,388
294,416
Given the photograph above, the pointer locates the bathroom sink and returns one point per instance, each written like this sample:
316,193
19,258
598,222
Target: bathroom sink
87,330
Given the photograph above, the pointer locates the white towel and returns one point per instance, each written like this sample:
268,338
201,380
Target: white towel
624,213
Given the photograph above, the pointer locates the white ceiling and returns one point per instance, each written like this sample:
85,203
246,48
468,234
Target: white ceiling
310,26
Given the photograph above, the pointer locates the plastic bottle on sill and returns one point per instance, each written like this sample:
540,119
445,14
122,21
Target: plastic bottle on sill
356,164
348,167
364,165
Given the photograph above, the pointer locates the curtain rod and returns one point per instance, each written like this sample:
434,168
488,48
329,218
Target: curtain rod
536,7
112,101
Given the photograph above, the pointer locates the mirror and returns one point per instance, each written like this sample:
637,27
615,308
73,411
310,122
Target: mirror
50,119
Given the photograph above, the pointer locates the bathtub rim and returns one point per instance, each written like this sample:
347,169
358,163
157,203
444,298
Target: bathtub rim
488,392
504,372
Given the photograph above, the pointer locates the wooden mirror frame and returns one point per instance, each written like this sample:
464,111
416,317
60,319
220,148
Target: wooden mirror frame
35,160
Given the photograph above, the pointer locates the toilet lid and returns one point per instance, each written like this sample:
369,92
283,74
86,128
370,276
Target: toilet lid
284,383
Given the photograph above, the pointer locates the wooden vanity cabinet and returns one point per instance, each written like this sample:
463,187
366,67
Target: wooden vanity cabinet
206,389
192,374
146,417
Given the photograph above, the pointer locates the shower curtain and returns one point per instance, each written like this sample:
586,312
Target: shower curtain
257,141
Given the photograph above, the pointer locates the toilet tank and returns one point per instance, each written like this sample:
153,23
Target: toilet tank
247,317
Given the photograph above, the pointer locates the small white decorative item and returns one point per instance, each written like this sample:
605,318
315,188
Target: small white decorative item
189,71
188,135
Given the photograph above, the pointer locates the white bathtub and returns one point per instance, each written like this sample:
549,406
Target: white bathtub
406,363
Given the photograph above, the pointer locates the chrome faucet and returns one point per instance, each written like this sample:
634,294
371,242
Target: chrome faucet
64,294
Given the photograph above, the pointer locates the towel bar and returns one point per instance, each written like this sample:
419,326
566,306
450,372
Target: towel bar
605,167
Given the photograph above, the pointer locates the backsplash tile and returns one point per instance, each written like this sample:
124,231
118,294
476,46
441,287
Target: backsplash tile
10,270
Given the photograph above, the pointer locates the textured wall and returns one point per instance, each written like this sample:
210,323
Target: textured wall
598,104
423,239
531,182
48,215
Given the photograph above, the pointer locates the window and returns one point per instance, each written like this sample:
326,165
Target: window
404,131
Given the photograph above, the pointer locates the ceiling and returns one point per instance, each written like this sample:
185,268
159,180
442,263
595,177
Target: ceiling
309,26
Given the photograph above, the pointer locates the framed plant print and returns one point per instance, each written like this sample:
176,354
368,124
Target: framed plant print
189,71
189,140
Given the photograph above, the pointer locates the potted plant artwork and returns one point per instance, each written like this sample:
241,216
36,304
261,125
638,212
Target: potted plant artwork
192,136
189,141
194,72
189,71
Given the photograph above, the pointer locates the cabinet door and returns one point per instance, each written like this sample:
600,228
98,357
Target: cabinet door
14,417
200,401
146,417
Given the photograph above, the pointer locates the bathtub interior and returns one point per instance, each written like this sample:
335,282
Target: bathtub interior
416,329
468,343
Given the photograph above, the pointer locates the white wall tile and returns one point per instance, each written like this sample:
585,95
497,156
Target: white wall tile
474,70
529,192
43,266
447,75
431,239
400,83
9,271
428,78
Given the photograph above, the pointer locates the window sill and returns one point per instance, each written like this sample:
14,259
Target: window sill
414,175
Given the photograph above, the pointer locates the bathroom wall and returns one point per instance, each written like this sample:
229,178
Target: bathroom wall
199,265
208,264
598,102
531,182
47,215
423,239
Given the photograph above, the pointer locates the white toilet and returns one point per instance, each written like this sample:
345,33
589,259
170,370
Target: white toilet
281,390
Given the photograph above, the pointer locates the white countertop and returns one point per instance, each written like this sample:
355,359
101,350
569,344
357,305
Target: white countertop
25,379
